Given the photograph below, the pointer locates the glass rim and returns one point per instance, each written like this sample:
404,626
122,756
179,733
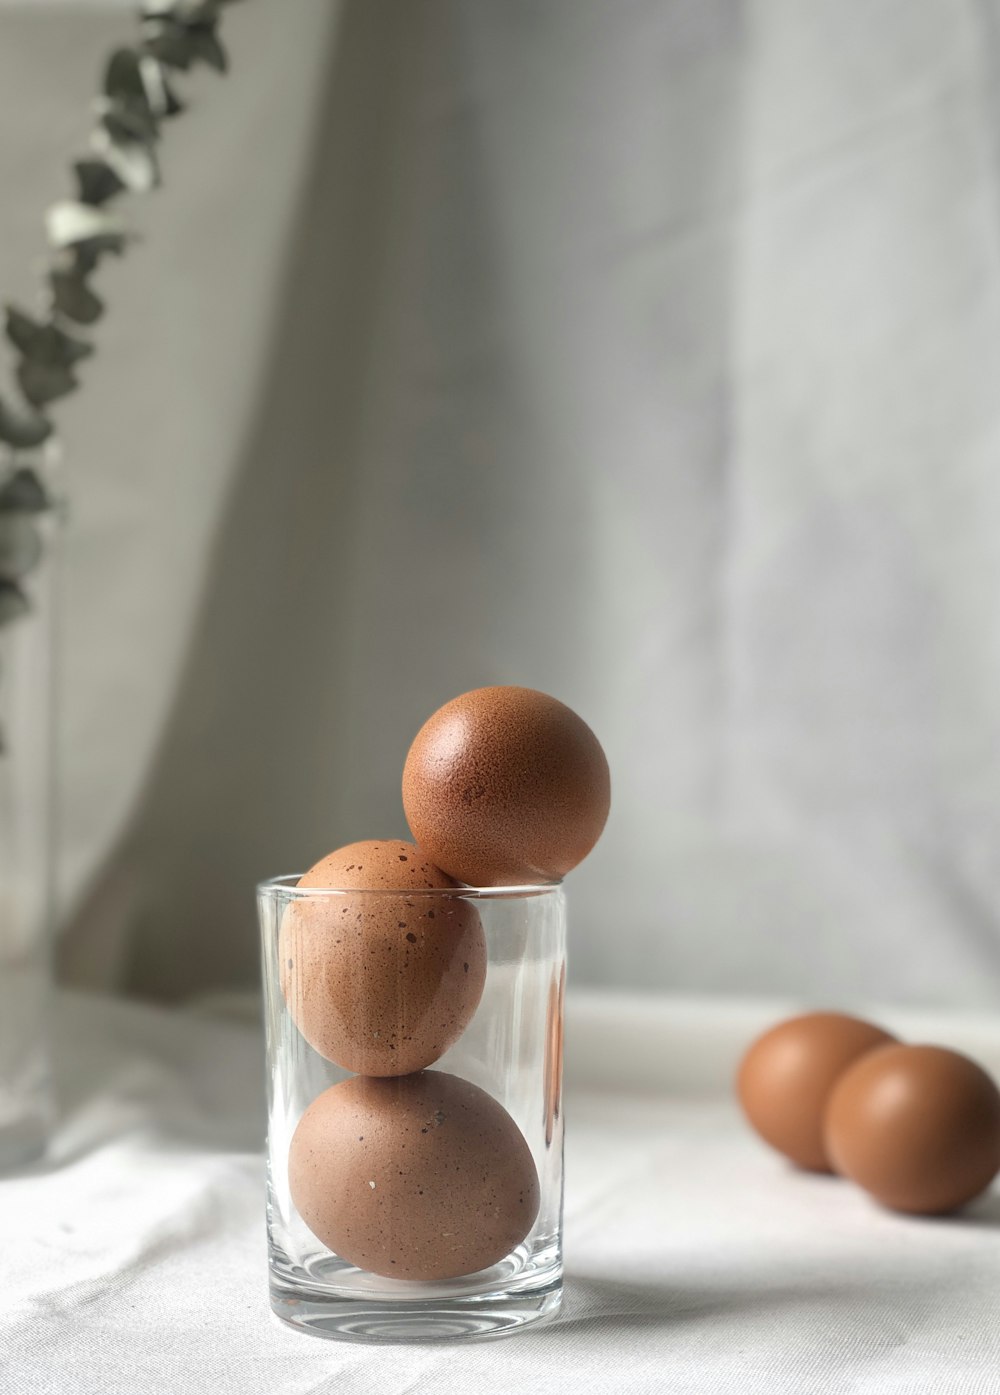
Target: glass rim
287,885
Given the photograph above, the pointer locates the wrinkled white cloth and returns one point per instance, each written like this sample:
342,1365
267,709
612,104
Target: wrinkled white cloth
134,1260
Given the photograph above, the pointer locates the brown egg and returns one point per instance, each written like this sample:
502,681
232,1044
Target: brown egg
916,1126
505,785
419,1177
381,984
786,1076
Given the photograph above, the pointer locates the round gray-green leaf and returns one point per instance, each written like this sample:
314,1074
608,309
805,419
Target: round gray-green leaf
97,182
122,77
13,602
45,343
74,298
162,98
21,429
127,124
20,546
134,161
43,382
171,44
24,493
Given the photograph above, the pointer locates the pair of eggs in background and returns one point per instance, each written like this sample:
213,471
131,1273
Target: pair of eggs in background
916,1127
406,1172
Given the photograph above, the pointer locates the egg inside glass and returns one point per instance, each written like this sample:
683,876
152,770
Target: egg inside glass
414,1045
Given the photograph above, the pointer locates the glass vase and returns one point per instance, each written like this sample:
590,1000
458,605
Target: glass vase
27,597
414,1049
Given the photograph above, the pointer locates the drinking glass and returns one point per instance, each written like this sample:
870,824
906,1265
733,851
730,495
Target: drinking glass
482,1169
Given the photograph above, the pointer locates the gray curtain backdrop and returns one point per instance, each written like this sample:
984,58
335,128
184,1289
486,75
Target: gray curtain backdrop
643,351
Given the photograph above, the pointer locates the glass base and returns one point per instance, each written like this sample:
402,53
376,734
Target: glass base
348,1305
353,1320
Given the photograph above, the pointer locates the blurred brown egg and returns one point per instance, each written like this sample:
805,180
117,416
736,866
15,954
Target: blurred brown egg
553,1060
381,984
916,1126
418,1177
506,785
786,1076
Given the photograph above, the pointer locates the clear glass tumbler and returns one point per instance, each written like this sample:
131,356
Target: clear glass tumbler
448,1174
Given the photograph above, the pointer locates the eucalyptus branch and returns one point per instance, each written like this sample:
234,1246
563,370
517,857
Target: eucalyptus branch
137,97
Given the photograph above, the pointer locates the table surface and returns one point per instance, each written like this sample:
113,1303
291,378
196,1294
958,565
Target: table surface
696,1262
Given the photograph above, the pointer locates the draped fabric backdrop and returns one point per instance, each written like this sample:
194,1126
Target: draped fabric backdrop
643,351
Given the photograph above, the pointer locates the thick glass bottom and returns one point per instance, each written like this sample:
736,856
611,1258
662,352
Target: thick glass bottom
356,1320
359,1308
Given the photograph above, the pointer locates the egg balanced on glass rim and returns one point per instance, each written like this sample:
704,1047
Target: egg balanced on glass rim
506,786
503,786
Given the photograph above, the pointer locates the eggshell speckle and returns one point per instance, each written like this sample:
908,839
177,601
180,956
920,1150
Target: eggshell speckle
787,1075
381,984
506,785
418,1177
918,1127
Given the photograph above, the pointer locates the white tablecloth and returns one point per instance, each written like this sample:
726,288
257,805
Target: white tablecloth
133,1261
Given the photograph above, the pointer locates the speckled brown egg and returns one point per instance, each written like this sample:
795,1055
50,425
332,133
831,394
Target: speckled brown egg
787,1075
918,1127
384,978
505,786
418,1177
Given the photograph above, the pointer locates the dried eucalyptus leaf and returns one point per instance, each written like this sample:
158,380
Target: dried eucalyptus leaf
20,546
22,430
136,165
123,77
65,348
127,124
79,260
73,298
113,243
173,104
171,44
134,162
24,493
21,329
129,113
44,343
96,181
44,382
13,602
163,100
181,44
79,224
209,48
